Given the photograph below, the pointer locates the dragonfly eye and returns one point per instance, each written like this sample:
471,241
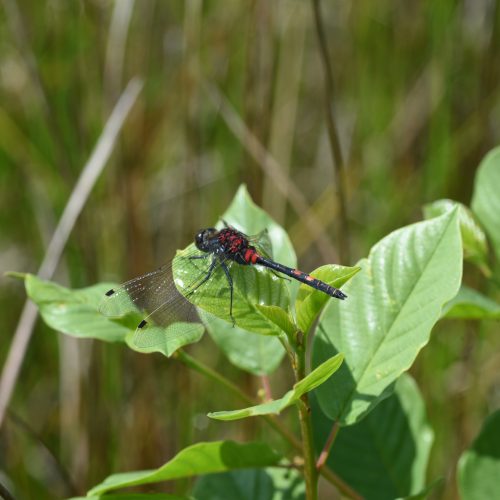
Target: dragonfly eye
202,239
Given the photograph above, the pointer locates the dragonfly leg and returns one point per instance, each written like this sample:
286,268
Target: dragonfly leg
203,256
230,282
197,257
206,278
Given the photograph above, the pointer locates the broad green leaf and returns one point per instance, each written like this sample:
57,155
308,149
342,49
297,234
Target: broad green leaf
386,454
74,312
271,483
201,458
479,466
393,304
259,355
470,304
308,383
166,340
474,241
486,197
310,302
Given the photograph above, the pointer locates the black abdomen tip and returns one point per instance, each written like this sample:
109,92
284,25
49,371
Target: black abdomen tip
339,295
110,292
142,324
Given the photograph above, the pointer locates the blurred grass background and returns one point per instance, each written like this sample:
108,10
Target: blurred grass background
416,103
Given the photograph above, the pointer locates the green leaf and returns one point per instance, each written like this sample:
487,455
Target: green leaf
470,304
252,284
279,317
393,304
310,302
271,483
486,197
255,354
387,453
276,406
259,355
166,340
425,492
74,312
473,238
479,466
201,458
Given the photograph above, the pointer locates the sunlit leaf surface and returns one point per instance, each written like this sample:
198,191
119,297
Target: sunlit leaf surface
74,312
308,383
393,304
486,197
201,458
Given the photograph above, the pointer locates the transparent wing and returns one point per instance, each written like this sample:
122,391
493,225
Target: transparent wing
178,315
157,299
142,294
262,243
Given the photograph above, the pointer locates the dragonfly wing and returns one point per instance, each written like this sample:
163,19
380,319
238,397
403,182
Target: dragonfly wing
177,316
262,243
143,294
146,293
175,321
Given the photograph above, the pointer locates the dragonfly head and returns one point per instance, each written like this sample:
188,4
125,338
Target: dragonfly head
204,237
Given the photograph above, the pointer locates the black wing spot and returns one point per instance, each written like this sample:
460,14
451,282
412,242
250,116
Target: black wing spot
110,292
142,324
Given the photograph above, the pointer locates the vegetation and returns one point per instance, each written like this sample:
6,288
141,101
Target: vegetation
125,127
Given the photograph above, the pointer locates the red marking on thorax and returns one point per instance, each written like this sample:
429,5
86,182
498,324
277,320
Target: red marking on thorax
251,256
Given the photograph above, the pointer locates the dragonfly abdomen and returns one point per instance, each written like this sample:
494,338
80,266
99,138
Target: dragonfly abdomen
305,278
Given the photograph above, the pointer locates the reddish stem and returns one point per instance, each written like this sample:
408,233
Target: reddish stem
328,445
267,387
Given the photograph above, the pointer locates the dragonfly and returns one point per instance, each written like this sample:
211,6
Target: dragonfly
167,297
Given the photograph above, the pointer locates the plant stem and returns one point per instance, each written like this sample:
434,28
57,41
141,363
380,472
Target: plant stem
340,178
328,445
217,377
330,476
310,471
343,487
267,387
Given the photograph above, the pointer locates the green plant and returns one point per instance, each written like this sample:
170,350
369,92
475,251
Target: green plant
362,419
